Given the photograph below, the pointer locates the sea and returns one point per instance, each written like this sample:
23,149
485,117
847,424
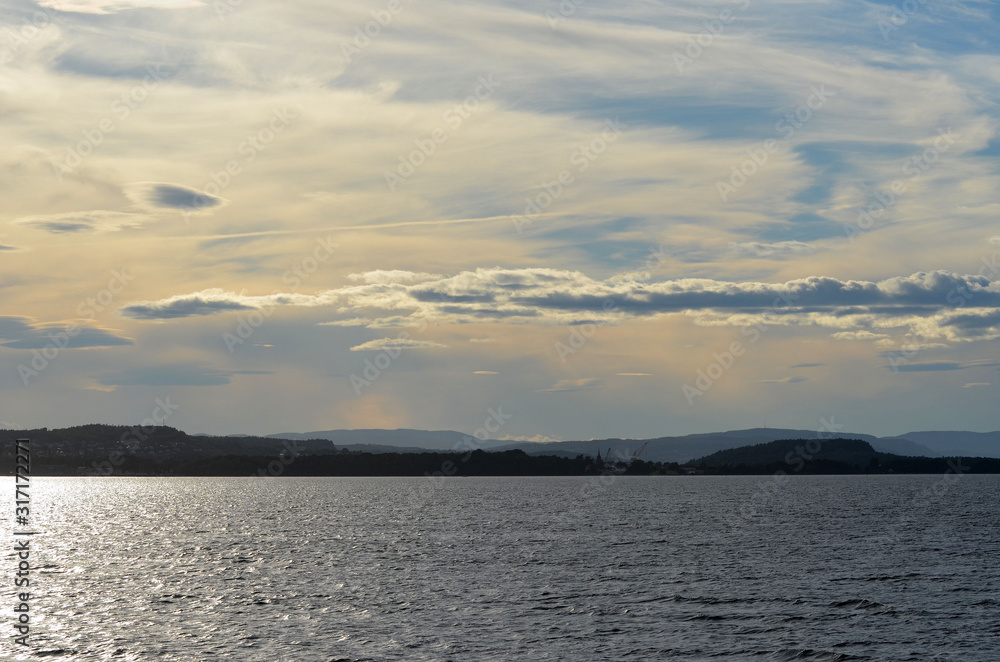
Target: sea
859,567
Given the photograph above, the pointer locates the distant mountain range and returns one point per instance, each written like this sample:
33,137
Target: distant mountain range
982,444
87,447
689,447
662,449
374,441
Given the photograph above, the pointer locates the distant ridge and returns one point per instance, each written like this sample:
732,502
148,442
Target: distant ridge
169,443
660,449
692,446
984,444
106,449
401,438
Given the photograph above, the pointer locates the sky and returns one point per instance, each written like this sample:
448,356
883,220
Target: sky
551,220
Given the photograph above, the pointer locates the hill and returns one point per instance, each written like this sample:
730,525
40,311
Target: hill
854,453
87,446
689,447
110,449
834,456
402,438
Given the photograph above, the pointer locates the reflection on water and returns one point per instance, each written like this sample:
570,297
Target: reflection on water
824,568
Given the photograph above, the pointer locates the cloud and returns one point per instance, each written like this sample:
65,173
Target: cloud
393,276
542,296
485,372
181,374
207,302
112,6
18,332
396,343
785,380
807,365
482,340
656,185
975,384
860,335
634,374
571,385
84,221
995,240
158,195
781,249
938,366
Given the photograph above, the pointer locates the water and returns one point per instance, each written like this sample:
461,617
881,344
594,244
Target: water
690,568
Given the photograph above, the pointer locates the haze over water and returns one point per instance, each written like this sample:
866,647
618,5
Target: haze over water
824,568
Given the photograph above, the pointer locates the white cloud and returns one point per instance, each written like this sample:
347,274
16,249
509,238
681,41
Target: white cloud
571,385
858,309
859,335
396,343
393,276
111,6
778,249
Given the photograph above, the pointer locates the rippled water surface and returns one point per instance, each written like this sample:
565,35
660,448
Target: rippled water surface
723,568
